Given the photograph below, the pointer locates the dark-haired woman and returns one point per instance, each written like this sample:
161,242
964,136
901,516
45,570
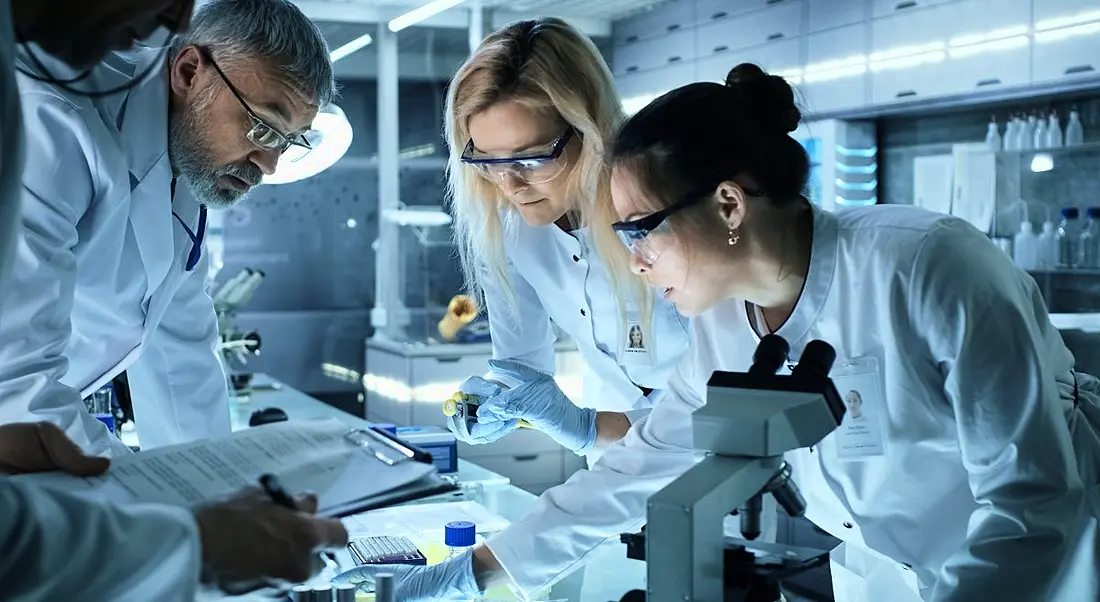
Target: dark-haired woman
973,473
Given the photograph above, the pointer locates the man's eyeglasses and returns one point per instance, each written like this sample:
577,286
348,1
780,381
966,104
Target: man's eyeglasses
635,233
263,134
537,166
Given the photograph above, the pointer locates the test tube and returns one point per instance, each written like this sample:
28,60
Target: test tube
322,593
301,593
345,592
383,588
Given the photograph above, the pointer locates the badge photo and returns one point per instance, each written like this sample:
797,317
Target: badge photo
860,435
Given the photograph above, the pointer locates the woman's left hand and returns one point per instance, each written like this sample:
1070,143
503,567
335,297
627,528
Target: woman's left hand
540,402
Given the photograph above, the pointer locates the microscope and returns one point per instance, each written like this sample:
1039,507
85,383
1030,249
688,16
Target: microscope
237,346
749,421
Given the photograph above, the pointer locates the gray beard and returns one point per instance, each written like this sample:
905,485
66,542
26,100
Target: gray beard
192,160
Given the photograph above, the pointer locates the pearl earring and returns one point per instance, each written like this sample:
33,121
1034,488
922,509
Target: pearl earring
733,237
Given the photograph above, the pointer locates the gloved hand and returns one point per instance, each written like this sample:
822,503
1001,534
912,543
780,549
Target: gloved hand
42,447
451,580
473,432
539,401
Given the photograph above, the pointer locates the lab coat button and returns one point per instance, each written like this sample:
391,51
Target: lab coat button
576,258
847,525
584,313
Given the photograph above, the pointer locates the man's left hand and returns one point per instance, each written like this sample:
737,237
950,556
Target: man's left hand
43,447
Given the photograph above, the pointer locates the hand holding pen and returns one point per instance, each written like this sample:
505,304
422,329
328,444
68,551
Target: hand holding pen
254,540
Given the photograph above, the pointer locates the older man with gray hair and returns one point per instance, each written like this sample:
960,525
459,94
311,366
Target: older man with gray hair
123,162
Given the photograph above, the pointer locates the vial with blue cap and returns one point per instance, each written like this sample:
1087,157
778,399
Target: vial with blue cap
460,536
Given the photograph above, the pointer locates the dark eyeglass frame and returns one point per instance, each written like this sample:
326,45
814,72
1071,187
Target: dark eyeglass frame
557,147
285,140
641,227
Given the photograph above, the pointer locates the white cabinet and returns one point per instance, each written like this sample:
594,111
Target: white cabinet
913,32
886,8
711,10
676,47
836,76
1057,57
655,81
1059,13
779,58
998,68
780,22
827,14
911,83
670,17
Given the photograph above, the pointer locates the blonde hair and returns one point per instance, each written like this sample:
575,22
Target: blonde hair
551,68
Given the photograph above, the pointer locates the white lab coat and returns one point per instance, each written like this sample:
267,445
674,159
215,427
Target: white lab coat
58,547
99,285
989,483
557,276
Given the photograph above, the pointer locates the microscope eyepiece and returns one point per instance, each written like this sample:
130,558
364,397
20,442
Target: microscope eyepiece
817,359
770,355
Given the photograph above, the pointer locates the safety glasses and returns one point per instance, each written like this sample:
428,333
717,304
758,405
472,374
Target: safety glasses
264,135
635,233
537,166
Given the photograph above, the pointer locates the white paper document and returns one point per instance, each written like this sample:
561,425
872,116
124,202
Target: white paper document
318,456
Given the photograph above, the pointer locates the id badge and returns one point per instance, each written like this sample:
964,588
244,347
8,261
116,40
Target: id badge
635,347
861,434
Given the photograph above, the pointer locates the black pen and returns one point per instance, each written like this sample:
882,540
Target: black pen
278,494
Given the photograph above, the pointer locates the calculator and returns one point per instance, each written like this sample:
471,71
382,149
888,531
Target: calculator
385,550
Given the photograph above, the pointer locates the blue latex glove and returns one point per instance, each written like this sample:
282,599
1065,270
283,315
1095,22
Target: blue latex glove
538,400
451,580
475,433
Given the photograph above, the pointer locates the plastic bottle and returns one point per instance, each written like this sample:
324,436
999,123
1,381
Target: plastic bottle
1068,236
1025,247
1054,131
1027,133
1075,132
1012,134
459,536
1047,249
993,136
1090,239
1039,138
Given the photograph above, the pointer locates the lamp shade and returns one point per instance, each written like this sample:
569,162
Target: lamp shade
335,139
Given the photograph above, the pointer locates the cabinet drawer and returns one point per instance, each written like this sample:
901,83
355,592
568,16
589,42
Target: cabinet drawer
517,443
988,70
841,47
655,82
671,16
780,58
1056,56
886,8
780,22
1061,13
919,81
985,21
827,14
710,10
841,93
656,52
524,469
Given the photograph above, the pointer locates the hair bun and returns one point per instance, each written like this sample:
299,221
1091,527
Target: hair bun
768,96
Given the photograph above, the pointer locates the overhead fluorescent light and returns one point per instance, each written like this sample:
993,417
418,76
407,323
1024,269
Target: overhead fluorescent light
793,76
1056,35
1077,19
1005,44
357,44
336,135
989,36
824,75
421,13
1042,162
909,61
905,51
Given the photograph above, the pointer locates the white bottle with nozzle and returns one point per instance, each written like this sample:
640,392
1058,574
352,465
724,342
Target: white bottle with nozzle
1046,251
1054,131
1025,247
1011,137
993,136
1039,136
1027,133
1075,132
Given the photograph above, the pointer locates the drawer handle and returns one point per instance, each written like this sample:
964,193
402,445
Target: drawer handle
526,458
448,360
1080,69
631,69
673,27
719,15
905,93
989,82
774,1
905,5
674,59
631,39
721,48
775,36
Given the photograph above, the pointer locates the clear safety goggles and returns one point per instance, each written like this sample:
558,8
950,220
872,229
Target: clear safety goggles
537,166
635,234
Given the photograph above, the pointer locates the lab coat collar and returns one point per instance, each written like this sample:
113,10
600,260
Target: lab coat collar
142,115
819,281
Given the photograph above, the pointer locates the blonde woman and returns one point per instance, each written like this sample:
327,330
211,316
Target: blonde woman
528,118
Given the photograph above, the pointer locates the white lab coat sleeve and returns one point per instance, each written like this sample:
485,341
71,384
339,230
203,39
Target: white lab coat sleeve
982,319
58,184
520,327
61,547
573,519
178,386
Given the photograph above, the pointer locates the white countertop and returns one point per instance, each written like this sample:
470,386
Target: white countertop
1085,322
